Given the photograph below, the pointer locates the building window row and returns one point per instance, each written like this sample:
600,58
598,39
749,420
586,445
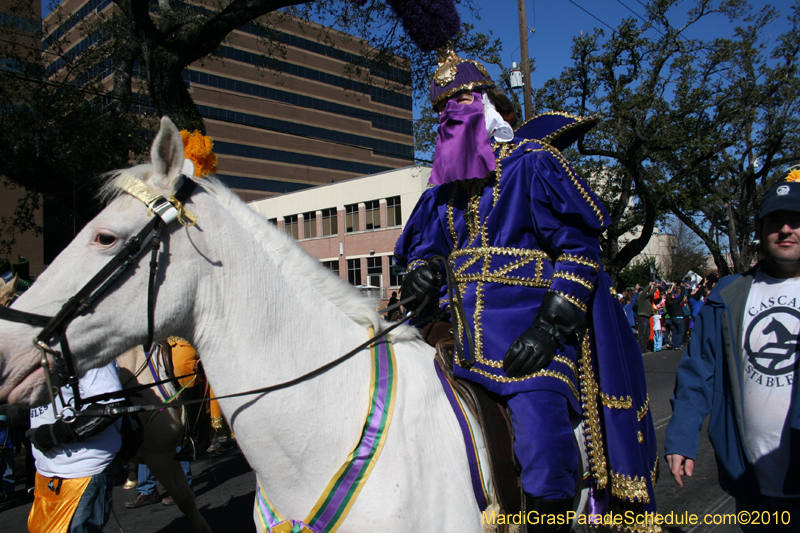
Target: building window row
378,120
330,219
374,274
378,146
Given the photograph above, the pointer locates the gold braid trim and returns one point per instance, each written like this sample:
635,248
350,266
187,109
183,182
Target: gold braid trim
579,260
501,274
643,411
546,373
450,222
416,263
627,488
509,280
579,121
591,415
560,358
574,301
613,403
654,473
578,185
574,278
471,86
173,339
496,250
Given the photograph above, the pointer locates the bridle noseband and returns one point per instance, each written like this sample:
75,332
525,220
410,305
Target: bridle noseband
166,211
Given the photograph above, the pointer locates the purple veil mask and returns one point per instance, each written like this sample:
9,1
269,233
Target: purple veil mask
463,148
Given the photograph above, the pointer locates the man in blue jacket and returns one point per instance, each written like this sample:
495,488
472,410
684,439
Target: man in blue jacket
741,367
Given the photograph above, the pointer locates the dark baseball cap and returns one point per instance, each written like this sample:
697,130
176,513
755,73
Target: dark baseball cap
785,196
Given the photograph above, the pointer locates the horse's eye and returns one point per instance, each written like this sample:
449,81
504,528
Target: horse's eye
105,239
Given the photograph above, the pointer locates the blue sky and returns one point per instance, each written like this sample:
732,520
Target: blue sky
556,22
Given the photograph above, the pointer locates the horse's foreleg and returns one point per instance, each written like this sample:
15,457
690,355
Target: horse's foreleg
169,472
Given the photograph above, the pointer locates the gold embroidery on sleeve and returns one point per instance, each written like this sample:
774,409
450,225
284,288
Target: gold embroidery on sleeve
579,260
574,278
612,402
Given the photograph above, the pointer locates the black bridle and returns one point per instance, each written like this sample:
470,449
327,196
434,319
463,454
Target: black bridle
165,212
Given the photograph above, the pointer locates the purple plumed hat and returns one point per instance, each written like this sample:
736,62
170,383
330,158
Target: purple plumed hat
455,75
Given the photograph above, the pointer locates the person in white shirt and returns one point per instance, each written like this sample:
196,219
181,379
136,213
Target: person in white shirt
742,367
75,461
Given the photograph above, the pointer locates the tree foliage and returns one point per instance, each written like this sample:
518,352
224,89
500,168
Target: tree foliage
60,125
55,135
165,37
686,253
684,119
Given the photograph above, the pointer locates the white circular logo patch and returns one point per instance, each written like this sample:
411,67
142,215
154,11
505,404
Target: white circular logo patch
783,190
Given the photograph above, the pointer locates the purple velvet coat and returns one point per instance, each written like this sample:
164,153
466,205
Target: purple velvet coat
510,237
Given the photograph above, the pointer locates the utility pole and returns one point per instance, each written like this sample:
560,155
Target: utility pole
525,64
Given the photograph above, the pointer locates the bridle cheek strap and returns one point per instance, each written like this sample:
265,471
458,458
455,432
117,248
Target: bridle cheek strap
166,211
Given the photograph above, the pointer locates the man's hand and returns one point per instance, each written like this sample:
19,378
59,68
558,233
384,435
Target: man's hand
422,282
680,466
531,352
535,348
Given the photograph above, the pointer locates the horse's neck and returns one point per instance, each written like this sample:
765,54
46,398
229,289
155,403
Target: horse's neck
266,325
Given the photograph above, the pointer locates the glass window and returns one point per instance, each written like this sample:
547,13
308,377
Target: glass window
330,222
396,273
393,215
290,225
375,271
273,221
309,225
351,218
372,214
354,271
333,266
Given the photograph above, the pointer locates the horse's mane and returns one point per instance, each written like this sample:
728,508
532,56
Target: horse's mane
339,292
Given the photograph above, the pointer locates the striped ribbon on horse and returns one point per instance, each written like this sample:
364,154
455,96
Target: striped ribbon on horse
342,491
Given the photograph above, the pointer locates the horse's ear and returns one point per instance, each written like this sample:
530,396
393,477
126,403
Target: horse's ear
167,156
7,291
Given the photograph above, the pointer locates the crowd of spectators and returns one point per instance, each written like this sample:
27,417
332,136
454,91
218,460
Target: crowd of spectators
662,312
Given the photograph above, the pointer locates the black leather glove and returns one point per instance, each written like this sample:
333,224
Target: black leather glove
421,282
48,436
535,348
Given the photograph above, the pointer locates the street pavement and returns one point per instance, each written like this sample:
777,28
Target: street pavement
224,484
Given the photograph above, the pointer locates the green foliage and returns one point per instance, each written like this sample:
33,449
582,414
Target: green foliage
55,137
635,272
683,121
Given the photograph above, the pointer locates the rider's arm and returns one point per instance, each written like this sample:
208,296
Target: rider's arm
422,239
568,218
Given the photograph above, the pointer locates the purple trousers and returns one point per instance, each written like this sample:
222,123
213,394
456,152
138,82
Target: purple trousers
544,444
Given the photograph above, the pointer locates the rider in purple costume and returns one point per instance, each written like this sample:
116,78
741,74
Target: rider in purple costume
519,229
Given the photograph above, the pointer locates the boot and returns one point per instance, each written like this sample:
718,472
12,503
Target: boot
198,425
538,507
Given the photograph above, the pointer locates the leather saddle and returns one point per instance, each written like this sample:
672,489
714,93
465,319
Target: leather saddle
490,410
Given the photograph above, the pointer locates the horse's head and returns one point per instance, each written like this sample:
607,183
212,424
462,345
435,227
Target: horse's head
117,320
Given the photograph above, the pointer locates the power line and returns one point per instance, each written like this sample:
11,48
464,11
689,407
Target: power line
591,15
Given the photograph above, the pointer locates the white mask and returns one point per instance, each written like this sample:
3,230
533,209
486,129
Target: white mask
496,126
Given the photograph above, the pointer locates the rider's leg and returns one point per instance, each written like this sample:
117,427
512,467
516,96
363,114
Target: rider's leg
545,448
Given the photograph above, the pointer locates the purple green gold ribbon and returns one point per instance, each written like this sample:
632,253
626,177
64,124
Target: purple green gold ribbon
475,472
342,491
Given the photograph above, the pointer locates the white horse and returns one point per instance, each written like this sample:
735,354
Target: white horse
261,311
162,434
